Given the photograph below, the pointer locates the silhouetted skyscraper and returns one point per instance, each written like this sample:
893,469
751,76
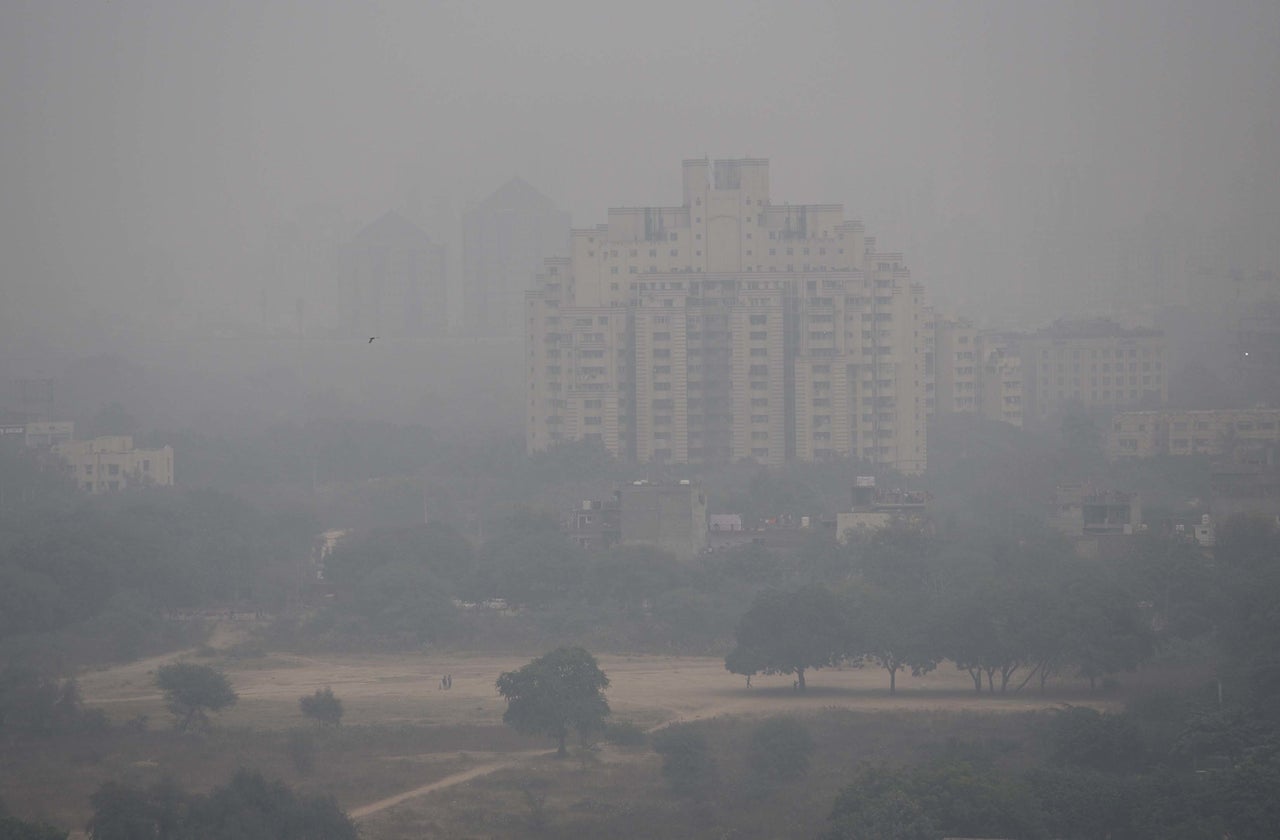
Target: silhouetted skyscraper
505,240
392,281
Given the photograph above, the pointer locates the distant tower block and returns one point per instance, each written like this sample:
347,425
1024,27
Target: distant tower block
505,240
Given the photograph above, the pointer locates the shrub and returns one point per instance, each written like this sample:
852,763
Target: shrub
322,707
780,749
300,745
1085,737
687,763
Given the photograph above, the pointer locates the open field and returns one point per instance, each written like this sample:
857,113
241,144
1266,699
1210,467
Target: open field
404,689
413,760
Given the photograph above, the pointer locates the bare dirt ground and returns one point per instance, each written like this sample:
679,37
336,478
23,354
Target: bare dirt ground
648,690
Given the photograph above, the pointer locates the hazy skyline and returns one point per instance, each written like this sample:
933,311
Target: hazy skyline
157,153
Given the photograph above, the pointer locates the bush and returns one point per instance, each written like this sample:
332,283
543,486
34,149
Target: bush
780,749
300,745
624,733
687,763
43,705
1085,737
249,807
322,707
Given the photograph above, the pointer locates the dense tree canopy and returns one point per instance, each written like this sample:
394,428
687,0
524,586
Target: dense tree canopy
192,691
322,706
791,632
556,693
249,807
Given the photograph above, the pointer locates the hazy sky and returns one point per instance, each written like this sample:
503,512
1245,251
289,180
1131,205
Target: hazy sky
152,150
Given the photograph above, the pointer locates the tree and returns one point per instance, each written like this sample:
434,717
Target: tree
190,691
247,808
555,693
789,632
901,557
322,707
33,702
250,807
779,750
529,562
895,631
122,812
879,805
1109,633
990,629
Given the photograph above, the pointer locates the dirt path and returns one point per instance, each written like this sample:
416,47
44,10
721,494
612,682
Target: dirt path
440,784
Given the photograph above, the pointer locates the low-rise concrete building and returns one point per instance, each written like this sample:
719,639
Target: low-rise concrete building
596,524
878,507
1097,365
1247,480
1144,434
45,433
111,463
1082,509
1096,520
671,516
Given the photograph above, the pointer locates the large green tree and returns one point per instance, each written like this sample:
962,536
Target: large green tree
192,691
790,632
556,693
895,629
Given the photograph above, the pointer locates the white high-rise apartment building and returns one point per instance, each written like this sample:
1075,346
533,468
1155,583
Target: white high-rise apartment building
727,328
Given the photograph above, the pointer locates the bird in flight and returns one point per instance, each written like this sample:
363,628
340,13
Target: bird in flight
371,338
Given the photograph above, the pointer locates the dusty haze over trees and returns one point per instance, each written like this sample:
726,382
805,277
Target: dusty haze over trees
181,168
